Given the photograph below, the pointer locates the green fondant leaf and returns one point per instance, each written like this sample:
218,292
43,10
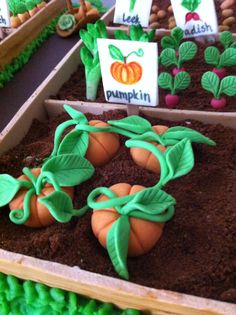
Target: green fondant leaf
228,86
210,82
75,142
168,57
226,39
181,81
165,81
117,245
168,42
59,205
180,133
177,34
132,123
115,53
75,115
187,51
9,186
228,58
101,28
119,34
180,159
150,201
69,169
86,57
212,56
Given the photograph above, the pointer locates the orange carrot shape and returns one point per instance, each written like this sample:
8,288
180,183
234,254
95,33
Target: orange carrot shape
123,72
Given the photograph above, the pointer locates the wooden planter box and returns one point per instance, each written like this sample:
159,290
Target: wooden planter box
15,43
119,292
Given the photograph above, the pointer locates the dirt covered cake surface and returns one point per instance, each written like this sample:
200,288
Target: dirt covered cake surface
193,98
196,254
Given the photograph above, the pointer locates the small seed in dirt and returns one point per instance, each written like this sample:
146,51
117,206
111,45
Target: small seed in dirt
155,8
229,21
227,13
161,14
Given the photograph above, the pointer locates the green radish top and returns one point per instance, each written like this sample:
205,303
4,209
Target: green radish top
12,4
174,40
30,5
213,57
227,40
186,52
37,1
211,83
174,83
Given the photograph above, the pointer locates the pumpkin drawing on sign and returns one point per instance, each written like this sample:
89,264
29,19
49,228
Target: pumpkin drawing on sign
123,72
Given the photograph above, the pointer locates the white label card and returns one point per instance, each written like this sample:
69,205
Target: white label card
129,71
132,12
4,14
195,17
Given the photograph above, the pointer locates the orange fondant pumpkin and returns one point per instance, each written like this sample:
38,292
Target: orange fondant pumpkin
126,73
145,158
102,145
143,234
39,214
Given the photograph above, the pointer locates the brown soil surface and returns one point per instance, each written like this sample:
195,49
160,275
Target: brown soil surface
196,254
193,98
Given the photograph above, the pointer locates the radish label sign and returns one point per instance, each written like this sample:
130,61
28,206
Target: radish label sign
195,17
129,71
4,14
132,12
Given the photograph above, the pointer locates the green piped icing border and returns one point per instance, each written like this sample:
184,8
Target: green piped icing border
20,297
17,63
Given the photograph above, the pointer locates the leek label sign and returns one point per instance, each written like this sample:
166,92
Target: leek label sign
132,12
195,17
129,71
4,14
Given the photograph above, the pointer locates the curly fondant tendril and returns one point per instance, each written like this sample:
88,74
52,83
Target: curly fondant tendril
50,178
30,175
58,134
25,184
19,216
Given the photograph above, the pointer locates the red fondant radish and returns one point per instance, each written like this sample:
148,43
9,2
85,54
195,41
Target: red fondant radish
175,84
212,83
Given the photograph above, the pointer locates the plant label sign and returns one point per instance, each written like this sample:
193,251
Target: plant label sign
195,17
132,12
4,14
129,71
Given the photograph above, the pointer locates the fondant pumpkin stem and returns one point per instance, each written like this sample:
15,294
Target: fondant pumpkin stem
30,175
69,6
84,8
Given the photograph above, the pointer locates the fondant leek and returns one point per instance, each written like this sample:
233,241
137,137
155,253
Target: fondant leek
90,58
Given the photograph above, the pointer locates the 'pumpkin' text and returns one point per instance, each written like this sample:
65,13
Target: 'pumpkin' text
129,96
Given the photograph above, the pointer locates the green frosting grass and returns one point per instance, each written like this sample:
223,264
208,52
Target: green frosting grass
29,298
17,63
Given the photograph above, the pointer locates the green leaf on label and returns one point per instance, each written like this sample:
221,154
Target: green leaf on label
228,86
77,116
180,159
165,81
59,205
69,169
180,133
187,51
181,81
168,57
150,201
210,82
226,39
212,56
228,58
117,245
9,186
116,53
191,5
133,123
75,142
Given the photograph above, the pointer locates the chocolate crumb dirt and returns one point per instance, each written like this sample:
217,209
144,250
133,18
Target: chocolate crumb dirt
193,98
196,254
